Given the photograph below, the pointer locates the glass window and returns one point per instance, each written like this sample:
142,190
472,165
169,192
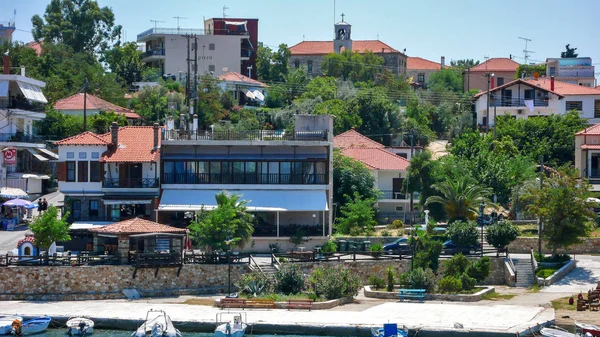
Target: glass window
82,155
168,171
421,77
70,155
251,172
308,169
190,167
211,46
95,171
296,64
215,172
180,172
70,171
76,209
203,167
82,171
500,81
225,172
94,206
238,172
95,155
574,105
310,66
285,170
273,176
321,174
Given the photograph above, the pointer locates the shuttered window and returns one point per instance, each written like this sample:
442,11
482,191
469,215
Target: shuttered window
574,105
597,108
95,172
70,171
62,171
82,171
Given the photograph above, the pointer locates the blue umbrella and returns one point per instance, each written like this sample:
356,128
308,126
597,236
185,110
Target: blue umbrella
19,202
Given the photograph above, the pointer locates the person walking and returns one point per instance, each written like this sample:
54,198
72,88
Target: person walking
44,204
39,208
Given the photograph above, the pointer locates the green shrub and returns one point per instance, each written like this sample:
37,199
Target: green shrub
385,233
289,279
390,278
545,272
428,254
463,233
501,234
556,258
329,247
377,282
397,224
456,266
480,270
449,285
418,278
376,247
467,281
274,248
254,284
335,282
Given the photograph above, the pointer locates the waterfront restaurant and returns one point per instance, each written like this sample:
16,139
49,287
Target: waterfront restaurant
136,237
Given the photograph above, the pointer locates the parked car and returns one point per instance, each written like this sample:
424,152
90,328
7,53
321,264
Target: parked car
449,248
400,246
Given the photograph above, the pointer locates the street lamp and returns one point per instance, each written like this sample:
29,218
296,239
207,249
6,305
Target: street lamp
481,208
487,115
228,243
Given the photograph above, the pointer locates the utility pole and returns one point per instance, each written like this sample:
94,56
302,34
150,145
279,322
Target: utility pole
412,151
495,104
195,91
187,79
85,86
542,172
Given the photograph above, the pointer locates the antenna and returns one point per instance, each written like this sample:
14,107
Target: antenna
225,8
179,18
155,22
334,18
525,51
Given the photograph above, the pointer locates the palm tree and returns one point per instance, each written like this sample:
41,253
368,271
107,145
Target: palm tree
418,170
460,198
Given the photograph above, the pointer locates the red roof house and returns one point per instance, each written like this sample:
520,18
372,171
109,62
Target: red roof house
73,105
326,47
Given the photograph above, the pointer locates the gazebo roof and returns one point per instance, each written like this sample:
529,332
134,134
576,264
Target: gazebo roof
138,226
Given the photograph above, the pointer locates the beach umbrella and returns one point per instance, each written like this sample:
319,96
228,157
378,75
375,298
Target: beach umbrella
12,193
20,203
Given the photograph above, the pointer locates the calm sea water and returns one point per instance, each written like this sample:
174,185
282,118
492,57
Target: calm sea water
122,333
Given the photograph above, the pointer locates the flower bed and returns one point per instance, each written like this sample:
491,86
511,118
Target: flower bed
315,305
474,297
559,274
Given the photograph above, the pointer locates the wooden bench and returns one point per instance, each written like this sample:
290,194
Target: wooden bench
300,304
260,303
232,303
412,294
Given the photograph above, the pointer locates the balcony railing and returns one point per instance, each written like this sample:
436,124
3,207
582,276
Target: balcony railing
20,137
21,105
270,179
130,183
154,52
387,194
516,102
245,135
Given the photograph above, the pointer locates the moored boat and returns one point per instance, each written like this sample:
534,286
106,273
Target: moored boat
554,332
583,328
6,323
30,326
389,330
157,324
80,326
236,327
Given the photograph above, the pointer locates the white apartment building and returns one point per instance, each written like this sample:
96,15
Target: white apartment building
575,70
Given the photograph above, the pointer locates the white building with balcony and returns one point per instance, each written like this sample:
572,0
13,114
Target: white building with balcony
110,177
389,170
574,70
587,155
25,160
525,98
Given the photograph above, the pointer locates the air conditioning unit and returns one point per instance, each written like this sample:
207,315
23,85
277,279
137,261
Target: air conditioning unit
520,111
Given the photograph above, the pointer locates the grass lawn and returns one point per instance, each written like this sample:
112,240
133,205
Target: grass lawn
535,288
496,297
563,304
544,272
200,301
284,298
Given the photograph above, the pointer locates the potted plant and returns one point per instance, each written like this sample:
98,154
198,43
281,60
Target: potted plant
376,249
329,248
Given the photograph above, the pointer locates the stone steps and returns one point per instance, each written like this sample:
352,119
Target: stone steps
525,274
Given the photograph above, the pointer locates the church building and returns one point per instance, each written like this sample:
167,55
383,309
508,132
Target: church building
310,54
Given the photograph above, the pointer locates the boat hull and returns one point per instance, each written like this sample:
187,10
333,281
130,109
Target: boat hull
157,325
234,330
36,325
549,332
74,326
6,323
584,328
378,332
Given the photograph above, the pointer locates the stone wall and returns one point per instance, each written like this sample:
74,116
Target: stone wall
523,245
101,282
363,269
497,272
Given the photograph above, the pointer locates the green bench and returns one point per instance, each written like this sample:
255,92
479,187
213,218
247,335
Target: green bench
412,294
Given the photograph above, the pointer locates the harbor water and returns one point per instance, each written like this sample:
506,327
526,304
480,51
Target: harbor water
56,332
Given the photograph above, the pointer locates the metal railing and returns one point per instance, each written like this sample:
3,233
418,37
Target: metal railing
20,137
263,135
21,105
83,258
130,183
245,178
511,264
517,102
216,258
155,259
192,31
388,194
154,52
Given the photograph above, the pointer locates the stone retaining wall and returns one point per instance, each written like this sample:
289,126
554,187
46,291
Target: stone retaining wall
315,306
432,297
104,282
523,245
562,272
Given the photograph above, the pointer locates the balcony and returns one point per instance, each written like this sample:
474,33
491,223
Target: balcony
249,178
388,194
260,135
21,105
168,31
130,183
516,102
20,137
154,52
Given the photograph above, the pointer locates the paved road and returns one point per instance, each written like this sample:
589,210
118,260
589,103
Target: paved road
586,276
9,239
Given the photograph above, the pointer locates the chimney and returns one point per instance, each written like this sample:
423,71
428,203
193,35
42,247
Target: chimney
155,129
114,133
6,64
443,62
493,84
551,83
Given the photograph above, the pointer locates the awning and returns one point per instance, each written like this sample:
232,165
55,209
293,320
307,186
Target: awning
32,92
258,200
127,202
4,88
12,193
36,155
49,153
249,94
28,176
258,95
88,225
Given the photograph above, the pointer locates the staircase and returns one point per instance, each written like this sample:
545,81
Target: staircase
524,271
263,264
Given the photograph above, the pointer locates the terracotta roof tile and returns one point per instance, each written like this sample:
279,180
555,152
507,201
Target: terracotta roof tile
590,147
593,130
419,63
326,47
239,78
563,88
86,138
136,145
354,139
138,226
75,102
36,46
377,159
496,64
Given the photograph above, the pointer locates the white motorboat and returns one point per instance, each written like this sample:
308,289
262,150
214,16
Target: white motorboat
583,328
233,327
6,323
80,326
157,324
554,332
31,326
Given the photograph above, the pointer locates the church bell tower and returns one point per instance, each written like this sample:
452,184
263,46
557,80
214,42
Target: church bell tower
342,39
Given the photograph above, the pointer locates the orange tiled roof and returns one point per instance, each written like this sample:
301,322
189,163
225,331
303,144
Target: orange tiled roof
563,88
422,64
136,145
36,46
590,147
598,87
593,130
497,64
326,47
353,138
377,159
239,78
86,138
138,226
75,102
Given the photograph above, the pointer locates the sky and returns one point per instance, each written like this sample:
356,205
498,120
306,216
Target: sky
426,28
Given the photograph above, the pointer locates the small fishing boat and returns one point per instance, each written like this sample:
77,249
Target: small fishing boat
235,327
389,330
80,326
157,324
583,328
6,323
31,326
556,332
